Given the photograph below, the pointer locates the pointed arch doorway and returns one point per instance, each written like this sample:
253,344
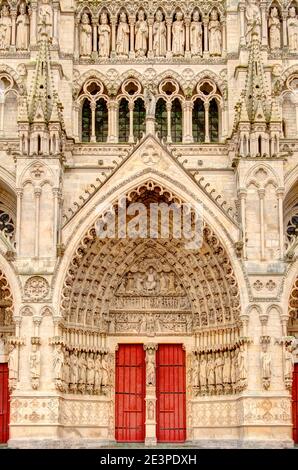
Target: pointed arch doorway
293,332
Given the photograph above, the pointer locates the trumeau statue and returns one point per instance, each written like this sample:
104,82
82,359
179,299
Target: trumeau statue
22,25
5,28
142,33
104,36
274,29
159,35
215,36
253,19
292,23
150,367
85,36
196,35
178,44
122,43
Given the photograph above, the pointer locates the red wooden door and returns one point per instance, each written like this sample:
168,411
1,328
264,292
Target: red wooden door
130,393
171,393
4,404
295,404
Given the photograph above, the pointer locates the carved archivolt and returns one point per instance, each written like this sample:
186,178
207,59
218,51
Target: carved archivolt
96,293
293,303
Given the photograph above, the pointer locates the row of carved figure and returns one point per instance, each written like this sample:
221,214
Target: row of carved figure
15,28
222,372
80,372
160,35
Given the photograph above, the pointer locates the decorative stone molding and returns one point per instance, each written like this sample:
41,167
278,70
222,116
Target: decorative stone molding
36,288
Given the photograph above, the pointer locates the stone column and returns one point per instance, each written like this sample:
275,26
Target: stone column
131,106
187,121
285,27
113,108
19,193
264,23
280,198
262,226
113,25
75,130
56,197
206,36
150,399
169,130
169,37
187,37
33,23
77,38
242,194
37,194
93,134
13,14
207,130
95,41
224,36
56,22
242,24
132,21
150,42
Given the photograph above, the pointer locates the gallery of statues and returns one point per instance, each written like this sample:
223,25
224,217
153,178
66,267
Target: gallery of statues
148,339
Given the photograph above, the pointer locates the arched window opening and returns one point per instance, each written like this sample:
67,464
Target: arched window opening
214,121
161,118
38,144
260,145
139,119
176,121
198,121
101,121
123,121
86,121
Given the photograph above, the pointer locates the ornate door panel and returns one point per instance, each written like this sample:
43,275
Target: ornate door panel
130,393
4,404
295,404
171,393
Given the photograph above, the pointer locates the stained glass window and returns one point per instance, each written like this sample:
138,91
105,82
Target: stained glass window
198,121
176,121
214,121
161,118
86,121
139,119
101,121
123,121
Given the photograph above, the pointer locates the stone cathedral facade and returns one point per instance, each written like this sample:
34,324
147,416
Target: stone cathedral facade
151,101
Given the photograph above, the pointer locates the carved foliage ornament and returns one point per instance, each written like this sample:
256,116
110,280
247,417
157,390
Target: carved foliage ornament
36,288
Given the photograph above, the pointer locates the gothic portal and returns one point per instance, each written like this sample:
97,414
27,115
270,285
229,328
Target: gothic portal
144,339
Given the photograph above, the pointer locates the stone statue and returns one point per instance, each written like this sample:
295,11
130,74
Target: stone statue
196,371
122,43
82,367
219,363
90,372
196,35
142,33
150,282
265,367
159,35
203,371
292,23
163,280
98,374
233,367
253,19
150,367
85,36
12,365
211,372
22,25
58,362
66,370
242,365
104,36
45,18
150,102
35,367
150,410
274,29
5,28
178,29
104,371
226,373
215,37
288,365
73,371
